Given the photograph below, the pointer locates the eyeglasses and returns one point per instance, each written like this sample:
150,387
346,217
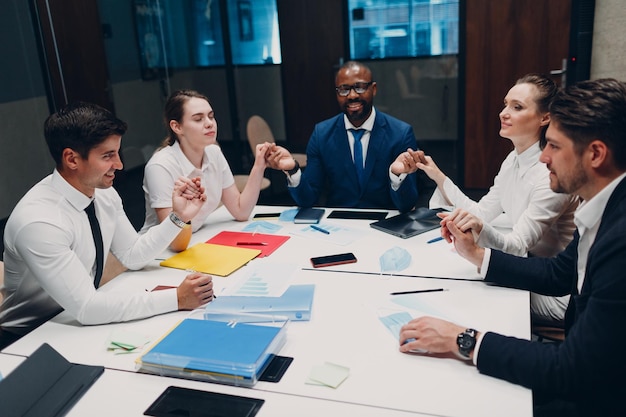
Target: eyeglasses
344,89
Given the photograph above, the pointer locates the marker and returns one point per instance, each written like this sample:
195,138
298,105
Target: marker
251,244
418,291
319,229
436,239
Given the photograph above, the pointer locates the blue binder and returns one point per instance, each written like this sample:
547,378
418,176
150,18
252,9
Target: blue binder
215,351
295,304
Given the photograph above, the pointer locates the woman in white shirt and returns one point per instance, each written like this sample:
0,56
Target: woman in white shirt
541,220
191,150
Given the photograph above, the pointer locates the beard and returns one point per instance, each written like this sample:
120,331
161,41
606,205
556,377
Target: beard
569,184
356,118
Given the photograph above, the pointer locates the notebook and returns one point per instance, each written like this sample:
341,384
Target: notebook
212,259
409,224
295,304
215,351
45,384
308,215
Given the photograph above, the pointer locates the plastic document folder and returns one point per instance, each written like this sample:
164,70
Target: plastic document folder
264,242
45,384
214,351
212,259
409,224
295,304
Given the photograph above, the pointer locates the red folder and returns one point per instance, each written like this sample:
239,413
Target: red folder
267,244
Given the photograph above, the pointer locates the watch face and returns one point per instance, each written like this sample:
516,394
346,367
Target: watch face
467,341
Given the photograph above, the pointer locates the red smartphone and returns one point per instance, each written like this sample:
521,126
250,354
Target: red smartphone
330,260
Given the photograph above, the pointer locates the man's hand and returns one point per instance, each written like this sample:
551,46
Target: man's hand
187,197
279,158
431,335
195,291
404,163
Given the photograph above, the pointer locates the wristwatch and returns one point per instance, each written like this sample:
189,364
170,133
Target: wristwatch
466,342
294,169
178,221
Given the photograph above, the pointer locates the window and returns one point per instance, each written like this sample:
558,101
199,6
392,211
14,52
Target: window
403,28
171,34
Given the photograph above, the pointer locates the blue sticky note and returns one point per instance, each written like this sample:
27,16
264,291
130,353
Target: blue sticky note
288,215
262,227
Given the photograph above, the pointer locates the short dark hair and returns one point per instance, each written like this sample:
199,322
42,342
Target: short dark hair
80,126
354,64
594,110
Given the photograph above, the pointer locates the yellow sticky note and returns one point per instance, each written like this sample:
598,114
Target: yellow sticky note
329,374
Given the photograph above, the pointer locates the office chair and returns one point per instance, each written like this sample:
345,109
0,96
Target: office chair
1,281
259,132
547,331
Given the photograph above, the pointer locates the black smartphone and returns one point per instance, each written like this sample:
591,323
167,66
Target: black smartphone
330,260
266,215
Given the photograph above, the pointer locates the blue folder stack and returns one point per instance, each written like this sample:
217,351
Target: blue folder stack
295,305
215,351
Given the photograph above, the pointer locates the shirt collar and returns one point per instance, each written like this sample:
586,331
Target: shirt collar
590,212
528,158
368,125
77,199
184,162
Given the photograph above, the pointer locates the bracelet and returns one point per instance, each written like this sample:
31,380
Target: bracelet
178,221
293,170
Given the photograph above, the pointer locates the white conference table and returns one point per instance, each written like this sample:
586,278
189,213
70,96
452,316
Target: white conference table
121,393
344,328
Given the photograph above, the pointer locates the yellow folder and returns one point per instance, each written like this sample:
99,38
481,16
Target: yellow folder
212,259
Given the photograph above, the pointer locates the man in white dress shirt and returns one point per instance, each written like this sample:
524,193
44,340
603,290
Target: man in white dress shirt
50,251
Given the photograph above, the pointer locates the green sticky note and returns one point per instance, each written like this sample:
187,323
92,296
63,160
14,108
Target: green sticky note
328,374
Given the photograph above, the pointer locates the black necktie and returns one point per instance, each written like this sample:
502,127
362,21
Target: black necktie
97,240
358,153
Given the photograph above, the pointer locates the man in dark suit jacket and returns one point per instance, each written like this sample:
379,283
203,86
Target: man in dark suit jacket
584,375
388,178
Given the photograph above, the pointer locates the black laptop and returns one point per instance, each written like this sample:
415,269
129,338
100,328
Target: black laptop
409,224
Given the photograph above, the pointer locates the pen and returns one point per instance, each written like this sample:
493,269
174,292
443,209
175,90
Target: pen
319,229
418,291
251,243
436,239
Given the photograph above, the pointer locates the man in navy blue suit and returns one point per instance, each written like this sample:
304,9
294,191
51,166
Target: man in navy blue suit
583,375
380,174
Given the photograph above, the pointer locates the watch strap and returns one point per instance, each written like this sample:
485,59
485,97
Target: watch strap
178,221
293,170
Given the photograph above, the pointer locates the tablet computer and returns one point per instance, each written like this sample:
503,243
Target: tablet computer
409,224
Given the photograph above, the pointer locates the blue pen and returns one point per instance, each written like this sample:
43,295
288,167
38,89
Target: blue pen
436,239
319,229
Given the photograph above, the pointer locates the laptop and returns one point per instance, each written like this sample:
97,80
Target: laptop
409,224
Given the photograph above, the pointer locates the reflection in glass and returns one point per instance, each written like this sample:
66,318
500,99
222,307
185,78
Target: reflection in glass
403,28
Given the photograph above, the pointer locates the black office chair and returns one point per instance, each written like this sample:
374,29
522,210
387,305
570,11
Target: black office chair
545,331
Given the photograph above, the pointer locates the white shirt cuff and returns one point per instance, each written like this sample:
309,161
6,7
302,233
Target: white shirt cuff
396,180
294,180
485,265
479,340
